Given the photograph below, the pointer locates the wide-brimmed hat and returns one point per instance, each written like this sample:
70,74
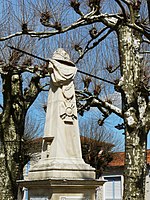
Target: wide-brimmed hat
62,56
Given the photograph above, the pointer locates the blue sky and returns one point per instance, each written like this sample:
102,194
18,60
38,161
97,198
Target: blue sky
148,141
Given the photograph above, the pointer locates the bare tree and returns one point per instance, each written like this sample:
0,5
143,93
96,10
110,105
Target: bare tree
21,84
16,101
98,20
97,144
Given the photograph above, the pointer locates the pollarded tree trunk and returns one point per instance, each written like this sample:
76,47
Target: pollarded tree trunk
11,129
9,161
16,102
135,108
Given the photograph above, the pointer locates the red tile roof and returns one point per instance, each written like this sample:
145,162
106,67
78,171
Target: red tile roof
118,159
148,156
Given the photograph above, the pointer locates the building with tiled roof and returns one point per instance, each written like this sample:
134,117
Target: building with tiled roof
118,159
113,188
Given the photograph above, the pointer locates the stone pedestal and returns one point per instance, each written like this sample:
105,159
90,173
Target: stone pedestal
61,189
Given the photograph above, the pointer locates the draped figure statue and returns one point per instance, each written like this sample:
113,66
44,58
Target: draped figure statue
61,117
61,149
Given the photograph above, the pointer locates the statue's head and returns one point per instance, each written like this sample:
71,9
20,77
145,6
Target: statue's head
62,56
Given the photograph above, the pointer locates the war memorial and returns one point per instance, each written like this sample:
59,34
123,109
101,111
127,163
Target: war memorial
61,173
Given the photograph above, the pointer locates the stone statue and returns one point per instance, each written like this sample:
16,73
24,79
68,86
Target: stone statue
61,173
61,118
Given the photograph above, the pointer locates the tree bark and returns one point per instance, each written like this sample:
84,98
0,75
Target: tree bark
11,148
16,102
9,166
135,106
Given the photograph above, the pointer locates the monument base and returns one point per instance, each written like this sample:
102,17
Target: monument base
61,189
61,168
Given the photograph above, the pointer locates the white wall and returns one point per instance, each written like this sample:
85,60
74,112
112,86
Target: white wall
147,189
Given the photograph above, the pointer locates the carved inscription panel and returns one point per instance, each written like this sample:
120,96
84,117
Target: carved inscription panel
73,198
38,198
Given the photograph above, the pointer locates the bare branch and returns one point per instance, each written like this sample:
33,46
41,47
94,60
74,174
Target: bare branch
11,36
105,112
76,6
146,41
108,106
111,70
32,91
96,36
148,5
94,45
140,29
120,126
143,52
43,87
93,101
1,106
108,20
126,2
122,8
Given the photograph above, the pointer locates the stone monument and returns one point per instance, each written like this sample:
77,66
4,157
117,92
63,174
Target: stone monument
61,173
